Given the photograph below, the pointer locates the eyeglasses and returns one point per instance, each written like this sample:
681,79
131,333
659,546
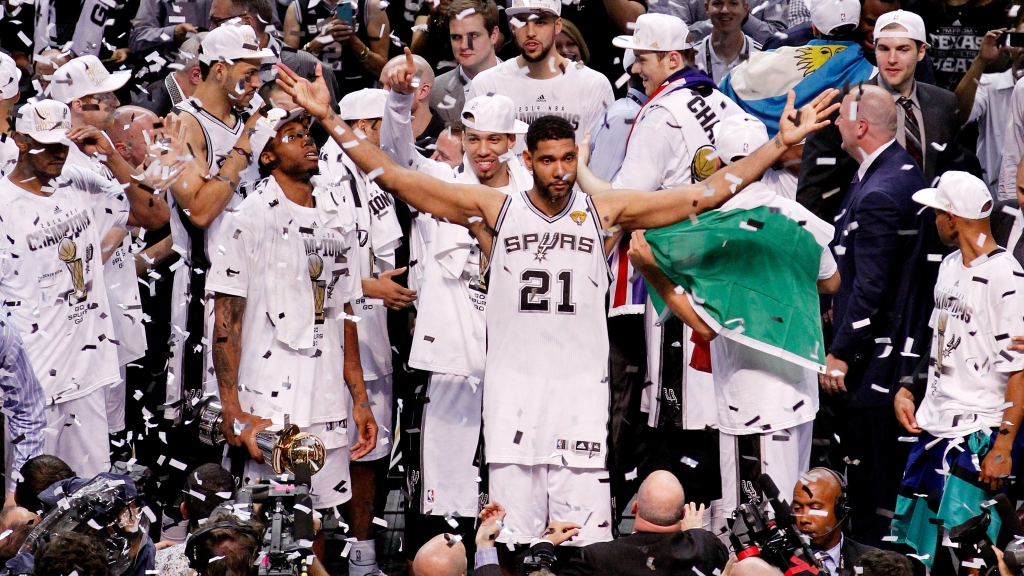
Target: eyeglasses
215,22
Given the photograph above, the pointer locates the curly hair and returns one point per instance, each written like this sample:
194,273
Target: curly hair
71,552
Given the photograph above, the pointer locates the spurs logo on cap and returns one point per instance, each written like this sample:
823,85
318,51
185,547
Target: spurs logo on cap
45,120
96,72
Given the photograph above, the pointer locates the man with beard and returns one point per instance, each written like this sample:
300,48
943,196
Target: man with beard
546,402
540,81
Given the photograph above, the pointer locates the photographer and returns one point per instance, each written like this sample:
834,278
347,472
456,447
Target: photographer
821,508
231,547
664,538
71,553
38,474
207,487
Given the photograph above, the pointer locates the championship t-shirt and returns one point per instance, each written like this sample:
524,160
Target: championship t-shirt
977,310
579,94
8,154
51,277
274,379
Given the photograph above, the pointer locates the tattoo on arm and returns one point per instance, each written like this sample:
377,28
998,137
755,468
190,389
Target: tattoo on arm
778,142
227,342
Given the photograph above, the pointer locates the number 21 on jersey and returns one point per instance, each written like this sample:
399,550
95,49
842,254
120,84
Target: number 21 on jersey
535,289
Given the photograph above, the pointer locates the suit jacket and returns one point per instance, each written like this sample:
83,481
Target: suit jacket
647,554
155,98
1005,215
849,554
819,183
887,278
451,83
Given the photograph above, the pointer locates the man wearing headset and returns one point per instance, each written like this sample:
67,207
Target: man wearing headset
821,508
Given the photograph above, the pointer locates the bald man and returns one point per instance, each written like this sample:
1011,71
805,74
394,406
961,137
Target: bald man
426,124
821,508
665,538
440,557
126,127
880,312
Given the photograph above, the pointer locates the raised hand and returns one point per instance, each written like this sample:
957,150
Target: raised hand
795,125
402,78
313,96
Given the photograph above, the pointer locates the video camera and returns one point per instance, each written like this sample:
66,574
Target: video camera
775,540
973,542
286,509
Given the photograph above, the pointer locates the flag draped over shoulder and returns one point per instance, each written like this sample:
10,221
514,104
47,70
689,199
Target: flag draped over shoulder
751,274
760,84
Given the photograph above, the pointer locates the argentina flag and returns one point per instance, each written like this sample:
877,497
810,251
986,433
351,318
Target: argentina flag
760,84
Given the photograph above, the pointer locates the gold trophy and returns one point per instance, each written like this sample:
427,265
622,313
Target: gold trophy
316,268
67,251
282,450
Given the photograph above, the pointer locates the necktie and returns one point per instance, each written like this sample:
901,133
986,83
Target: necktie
912,131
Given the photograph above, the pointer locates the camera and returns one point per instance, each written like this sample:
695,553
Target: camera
973,541
775,540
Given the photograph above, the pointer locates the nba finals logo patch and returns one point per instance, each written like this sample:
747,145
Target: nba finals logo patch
578,217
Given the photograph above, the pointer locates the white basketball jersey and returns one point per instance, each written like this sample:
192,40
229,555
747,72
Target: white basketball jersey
546,390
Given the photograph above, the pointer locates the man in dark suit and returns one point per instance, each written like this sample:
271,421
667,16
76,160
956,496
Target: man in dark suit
824,491
164,94
888,260
927,113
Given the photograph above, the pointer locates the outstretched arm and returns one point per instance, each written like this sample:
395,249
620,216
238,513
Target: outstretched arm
635,210
457,203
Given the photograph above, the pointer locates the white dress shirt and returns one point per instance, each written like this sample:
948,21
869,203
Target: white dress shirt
992,111
871,158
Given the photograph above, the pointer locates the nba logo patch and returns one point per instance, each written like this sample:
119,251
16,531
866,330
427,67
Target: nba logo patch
430,496
746,147
842,16
561,445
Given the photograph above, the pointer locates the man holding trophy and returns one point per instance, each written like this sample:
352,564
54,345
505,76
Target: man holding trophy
285,346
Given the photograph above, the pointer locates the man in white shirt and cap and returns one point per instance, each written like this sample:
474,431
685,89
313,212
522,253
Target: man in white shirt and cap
10,77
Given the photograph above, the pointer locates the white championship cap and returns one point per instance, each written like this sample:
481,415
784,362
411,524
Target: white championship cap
45,121
526,6
628,58
739,135
960,194
363,104
10,76
495,114
83,76
656,33
232,42
912,22
831,16
267,126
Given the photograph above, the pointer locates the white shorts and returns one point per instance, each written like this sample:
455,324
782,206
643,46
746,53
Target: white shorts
449,436
76,432
115,404
332,485
534,496
782,454
379,392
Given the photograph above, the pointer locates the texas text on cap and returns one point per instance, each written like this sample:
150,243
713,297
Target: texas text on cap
739,135
912,23
526,6
10,76
45,121
960,194
83,76
833,17
232,42
363,104
656,33
495,114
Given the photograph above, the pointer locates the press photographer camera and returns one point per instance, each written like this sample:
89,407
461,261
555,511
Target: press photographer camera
973,540
776,540
282,547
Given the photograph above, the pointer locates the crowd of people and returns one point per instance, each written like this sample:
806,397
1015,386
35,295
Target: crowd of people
533,266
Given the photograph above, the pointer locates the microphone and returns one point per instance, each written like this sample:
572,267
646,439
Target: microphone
1011,528
783,513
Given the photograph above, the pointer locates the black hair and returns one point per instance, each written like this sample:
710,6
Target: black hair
235,548
214,484
548,128
71,552
204,68
38,474
885,563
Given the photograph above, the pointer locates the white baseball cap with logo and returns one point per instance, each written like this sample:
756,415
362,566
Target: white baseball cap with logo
527,6
738,136
45,121
656,33
82,77
267,126
912,23
232,42
10,76
364,104
832,17
960,194
495,114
